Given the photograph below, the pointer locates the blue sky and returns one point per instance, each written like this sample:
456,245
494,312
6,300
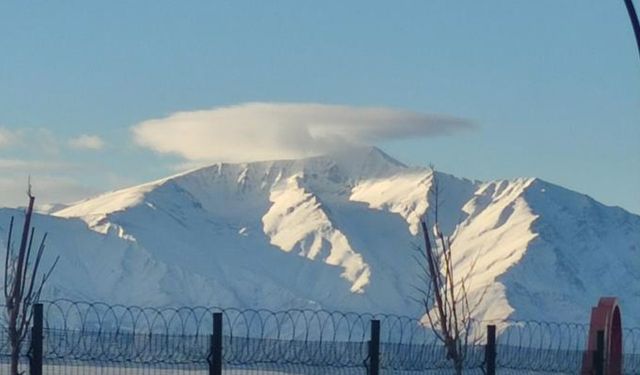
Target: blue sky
551,86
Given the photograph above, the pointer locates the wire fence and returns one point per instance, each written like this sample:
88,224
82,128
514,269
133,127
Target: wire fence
96,338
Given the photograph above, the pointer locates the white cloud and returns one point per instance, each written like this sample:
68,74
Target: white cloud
7,137
31,166
39,140
52,181
263,131
43,157
87,142
47,189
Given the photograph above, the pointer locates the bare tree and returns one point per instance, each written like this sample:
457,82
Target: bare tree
22,287
444,295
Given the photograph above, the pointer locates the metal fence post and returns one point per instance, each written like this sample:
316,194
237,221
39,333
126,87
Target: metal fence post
35,367
374,348
215,364
490,350
598,358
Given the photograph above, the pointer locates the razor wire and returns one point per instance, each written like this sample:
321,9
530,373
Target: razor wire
118,335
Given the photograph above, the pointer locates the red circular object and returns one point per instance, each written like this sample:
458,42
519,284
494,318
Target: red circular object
605,317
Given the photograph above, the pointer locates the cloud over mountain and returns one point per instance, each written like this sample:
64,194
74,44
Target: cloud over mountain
266,131
86,142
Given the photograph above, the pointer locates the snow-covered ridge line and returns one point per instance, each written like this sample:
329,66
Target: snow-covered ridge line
336,232
297,220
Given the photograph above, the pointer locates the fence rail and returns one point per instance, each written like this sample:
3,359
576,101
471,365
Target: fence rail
93,338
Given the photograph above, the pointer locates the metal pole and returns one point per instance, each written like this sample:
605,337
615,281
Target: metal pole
374,348
490,350
215,365
633,16
36,340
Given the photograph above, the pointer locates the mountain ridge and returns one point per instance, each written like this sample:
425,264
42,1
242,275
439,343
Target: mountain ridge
336,232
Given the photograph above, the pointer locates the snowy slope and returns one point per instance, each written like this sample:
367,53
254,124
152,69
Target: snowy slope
336,232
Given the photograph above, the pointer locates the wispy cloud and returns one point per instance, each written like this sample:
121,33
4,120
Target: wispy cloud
43,156
86,142
47,189
31,166
7,137
43,140
38,140
53,181
262,131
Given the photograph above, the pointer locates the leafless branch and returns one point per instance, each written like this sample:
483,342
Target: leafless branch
445,294
21,287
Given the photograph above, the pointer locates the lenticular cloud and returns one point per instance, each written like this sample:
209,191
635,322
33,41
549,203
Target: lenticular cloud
268,131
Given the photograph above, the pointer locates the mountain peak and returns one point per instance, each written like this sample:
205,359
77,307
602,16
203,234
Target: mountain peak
336,231
363,162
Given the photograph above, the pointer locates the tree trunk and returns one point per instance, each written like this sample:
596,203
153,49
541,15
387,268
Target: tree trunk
15,356
456,357
458,365
14,335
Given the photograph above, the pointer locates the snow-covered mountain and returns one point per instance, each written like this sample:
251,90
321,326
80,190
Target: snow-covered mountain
337,232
